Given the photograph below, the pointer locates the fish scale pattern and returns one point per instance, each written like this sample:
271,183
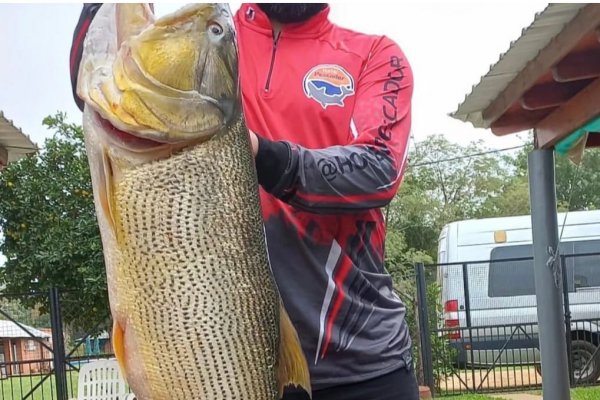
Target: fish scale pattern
194,276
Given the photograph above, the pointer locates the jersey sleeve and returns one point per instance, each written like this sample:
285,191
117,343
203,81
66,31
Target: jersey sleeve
364,173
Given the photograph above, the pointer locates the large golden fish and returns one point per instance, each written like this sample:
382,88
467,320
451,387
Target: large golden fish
196,311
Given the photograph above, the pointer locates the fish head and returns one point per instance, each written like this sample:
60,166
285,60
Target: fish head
166,81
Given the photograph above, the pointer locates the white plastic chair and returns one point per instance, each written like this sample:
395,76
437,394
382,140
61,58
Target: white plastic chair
102,380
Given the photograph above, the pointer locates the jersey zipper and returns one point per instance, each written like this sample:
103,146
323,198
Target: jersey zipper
275,41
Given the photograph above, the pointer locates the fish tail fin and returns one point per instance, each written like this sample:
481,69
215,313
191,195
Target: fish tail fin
293,368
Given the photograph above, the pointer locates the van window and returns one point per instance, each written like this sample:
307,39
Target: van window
516,278
587,268
511,278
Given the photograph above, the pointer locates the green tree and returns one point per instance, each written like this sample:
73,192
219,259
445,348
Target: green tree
28,316
513,201
51,236
444,183
577,186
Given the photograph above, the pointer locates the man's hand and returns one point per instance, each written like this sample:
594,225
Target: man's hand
272,158
253,142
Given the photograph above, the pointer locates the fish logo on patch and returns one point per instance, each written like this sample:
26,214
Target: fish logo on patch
328,85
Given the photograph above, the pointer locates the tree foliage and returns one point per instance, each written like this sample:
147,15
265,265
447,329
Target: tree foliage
51,237
446,182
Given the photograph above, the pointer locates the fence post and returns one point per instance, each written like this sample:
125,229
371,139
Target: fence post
567,311
423,317
58,346
467,295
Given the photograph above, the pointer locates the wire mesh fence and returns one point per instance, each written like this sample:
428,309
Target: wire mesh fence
41,350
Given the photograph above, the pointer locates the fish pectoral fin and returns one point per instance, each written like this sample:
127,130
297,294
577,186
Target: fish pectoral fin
118,342
293,368
106,188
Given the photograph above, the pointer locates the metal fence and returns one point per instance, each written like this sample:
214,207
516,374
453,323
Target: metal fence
41,355
480,334
477,323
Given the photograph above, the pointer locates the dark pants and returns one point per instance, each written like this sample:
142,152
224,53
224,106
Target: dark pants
398,385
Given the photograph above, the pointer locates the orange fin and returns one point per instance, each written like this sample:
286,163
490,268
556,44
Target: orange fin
118,342
293,368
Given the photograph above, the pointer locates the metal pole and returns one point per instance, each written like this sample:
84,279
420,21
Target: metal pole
567,311
426,356
58,346
544,227
467,295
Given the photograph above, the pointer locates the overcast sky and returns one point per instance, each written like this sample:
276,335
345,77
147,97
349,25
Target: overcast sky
450,45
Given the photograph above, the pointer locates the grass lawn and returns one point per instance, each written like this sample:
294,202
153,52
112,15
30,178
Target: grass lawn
585,393
16,388
581,393
468,397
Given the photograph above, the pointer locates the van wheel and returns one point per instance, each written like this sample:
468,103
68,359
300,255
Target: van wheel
584,370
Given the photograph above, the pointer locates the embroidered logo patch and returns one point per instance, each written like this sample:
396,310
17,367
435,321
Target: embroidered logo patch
328,85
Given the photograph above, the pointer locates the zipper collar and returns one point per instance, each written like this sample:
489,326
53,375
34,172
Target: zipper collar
253,17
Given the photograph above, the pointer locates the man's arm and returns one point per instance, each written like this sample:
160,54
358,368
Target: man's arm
87,14
363,174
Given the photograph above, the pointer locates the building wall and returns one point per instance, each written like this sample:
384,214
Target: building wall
32,350
5,351
31,356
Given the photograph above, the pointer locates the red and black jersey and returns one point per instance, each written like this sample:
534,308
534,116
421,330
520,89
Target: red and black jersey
333,110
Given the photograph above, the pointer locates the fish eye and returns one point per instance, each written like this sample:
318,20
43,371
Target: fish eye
215,29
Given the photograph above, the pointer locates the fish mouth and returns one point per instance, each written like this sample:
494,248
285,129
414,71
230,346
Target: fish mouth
127,140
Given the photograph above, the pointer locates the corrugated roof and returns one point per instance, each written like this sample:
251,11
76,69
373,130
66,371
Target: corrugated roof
9,329
14,140
546,25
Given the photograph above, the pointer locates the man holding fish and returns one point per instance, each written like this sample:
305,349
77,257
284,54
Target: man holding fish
328,112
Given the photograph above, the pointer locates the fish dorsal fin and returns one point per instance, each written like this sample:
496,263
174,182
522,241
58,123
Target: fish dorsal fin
293,368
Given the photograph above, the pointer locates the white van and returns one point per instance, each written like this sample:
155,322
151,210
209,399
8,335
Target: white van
502,291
